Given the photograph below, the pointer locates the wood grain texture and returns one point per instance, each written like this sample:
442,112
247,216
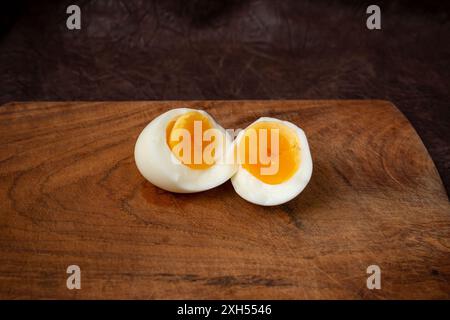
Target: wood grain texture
70,194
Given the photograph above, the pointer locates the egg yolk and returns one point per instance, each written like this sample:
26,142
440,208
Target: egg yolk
187,123
270,161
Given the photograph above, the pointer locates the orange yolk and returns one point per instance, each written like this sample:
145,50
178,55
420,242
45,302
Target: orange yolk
285,162
197,146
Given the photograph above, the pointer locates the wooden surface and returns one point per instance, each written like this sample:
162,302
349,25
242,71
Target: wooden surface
70,194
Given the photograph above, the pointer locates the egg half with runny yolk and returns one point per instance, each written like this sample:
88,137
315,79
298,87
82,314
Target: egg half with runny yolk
184,150
274,161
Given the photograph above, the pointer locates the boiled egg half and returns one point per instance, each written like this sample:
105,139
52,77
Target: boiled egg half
274,162
185,150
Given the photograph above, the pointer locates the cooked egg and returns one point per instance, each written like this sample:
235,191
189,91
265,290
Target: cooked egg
274,162
184,150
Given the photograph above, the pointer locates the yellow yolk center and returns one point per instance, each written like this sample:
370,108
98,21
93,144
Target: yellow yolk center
188,130
273,159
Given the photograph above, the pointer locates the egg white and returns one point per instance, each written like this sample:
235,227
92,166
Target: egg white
255,191
156,162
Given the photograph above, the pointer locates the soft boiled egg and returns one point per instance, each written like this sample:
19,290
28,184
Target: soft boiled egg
184,150
274,162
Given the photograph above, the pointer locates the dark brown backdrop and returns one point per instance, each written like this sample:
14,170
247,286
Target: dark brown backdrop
202,49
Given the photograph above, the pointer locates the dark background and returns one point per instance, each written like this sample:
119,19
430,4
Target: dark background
229,49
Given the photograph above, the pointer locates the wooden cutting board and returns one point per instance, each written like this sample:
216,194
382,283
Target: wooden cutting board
70,194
